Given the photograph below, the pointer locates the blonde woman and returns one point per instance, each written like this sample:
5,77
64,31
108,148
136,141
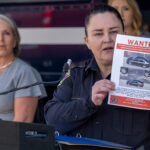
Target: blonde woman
131,15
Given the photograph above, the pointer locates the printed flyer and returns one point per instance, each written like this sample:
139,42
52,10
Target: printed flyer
131,72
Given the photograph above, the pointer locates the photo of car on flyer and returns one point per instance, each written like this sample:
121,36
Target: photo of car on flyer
135,71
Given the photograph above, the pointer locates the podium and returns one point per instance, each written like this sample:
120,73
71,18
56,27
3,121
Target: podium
26,136
31,136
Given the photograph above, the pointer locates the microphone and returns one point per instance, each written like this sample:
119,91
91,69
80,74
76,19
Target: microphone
66,68
27,86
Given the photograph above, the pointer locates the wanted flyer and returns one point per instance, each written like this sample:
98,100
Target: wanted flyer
131,72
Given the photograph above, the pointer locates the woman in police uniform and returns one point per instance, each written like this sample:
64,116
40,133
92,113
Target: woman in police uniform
79,106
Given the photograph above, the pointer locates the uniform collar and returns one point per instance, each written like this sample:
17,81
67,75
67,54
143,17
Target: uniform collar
92,65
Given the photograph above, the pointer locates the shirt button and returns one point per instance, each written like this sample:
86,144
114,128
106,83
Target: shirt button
76,117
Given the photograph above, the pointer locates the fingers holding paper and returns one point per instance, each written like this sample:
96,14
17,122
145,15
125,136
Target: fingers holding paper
100,90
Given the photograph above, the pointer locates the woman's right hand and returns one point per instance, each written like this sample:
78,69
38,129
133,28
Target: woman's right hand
100,90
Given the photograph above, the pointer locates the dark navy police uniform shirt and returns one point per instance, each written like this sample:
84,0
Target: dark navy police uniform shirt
72,112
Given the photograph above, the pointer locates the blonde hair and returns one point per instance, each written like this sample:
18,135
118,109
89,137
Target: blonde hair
137,17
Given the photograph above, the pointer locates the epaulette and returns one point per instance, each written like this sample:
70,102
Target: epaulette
80,64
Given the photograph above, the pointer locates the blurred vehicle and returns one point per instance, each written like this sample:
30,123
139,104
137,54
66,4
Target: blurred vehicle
137,83
139,61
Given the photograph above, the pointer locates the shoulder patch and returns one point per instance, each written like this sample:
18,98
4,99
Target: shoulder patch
65,77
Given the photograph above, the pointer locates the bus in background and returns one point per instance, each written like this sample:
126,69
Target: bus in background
51,31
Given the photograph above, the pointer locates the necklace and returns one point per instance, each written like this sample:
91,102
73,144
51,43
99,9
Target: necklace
2,67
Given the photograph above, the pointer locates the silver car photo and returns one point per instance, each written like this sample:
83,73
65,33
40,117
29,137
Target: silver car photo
137,83
139,61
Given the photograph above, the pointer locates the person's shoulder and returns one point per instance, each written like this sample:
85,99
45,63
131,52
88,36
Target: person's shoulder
78,67
24,71
80,64
22,64
25,67
76,70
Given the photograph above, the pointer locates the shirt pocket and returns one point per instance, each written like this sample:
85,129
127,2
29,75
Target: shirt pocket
131,121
